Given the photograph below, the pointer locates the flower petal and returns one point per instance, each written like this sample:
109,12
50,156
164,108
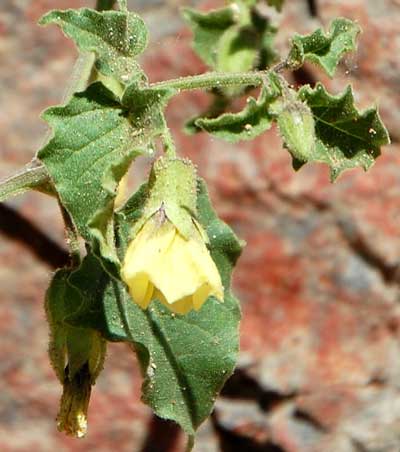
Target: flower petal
146,249
161,263
141,289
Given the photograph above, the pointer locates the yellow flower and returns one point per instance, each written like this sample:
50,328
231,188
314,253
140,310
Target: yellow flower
162,264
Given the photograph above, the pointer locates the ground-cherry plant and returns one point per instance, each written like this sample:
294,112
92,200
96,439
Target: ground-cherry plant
156,270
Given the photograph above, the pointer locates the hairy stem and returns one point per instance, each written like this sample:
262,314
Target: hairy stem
212,80
220,79
31,177
72,237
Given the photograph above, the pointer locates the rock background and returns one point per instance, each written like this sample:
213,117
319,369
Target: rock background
319,279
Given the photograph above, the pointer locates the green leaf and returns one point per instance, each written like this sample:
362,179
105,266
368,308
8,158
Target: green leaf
146,106
208,29
185,359
95,139
325,50
346,138
215,109
233,39
116,38
253,120
245,125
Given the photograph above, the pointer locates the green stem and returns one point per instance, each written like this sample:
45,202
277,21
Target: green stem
31,177
72,237
213,80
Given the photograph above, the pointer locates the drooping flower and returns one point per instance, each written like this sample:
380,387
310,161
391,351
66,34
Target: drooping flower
162,264
168,259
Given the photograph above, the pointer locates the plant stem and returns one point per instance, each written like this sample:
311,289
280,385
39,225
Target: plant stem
31,177
169,145
213,80
72,237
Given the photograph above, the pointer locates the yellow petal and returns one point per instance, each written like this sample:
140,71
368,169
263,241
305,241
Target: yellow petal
146,248
161,263
138,288
201,296
182,306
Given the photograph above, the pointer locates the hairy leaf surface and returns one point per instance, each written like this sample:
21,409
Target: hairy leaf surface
345,137
325,50
95,139
116,38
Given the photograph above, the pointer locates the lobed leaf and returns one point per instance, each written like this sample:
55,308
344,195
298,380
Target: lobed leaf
116,38
345,138
253,120
325,50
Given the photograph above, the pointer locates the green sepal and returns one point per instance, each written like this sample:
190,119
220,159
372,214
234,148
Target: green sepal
325,50
172,187
71,347
296,126
345,137
116,38
232,39
237,51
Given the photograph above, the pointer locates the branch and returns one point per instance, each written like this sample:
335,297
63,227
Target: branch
31,177
212,80
220,79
